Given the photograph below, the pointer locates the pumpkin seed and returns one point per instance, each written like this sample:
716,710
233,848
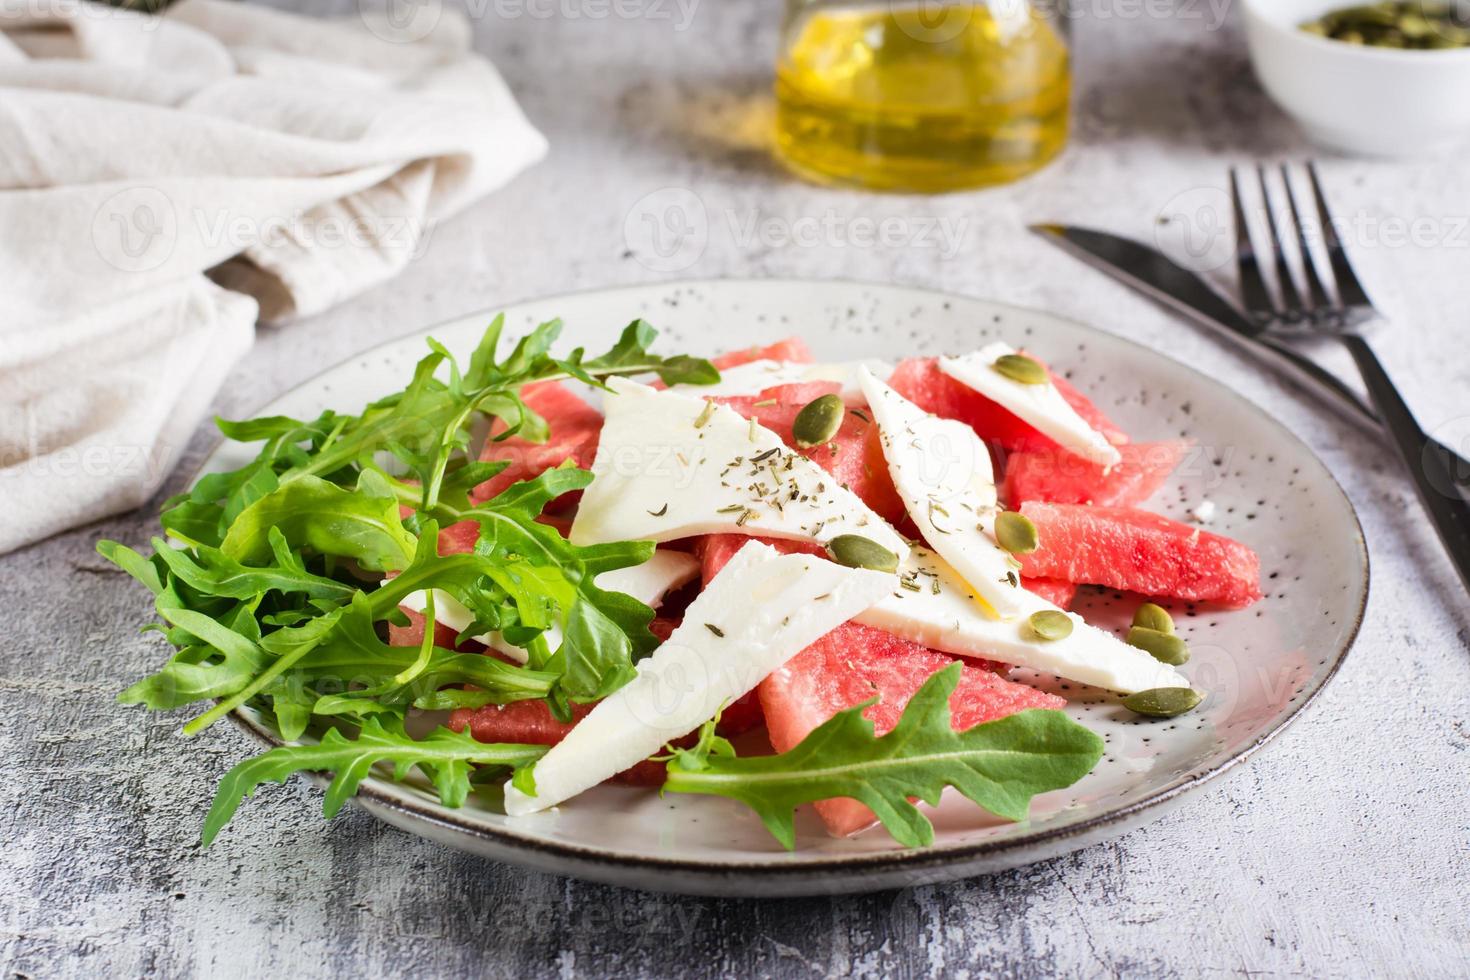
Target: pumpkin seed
1154,617
1015,533
1019,367
1050,624
1414,26
1403,24
818,421
856,551
1163,647
1163,702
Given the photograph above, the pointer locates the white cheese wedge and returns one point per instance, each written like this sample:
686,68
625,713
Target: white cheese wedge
934,607
761,610
943,475
670,465
648,583
1042,406
756,376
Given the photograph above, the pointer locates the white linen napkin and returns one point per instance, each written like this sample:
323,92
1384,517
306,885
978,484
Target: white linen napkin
165,181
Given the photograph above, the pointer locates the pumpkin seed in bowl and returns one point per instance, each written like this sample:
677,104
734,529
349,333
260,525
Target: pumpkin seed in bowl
1406,24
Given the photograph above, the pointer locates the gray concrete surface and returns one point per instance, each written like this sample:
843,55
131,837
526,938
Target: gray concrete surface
1343,851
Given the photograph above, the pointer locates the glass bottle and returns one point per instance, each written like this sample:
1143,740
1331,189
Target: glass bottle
922,96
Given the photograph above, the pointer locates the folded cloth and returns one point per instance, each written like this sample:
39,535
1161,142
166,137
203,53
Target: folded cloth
165,181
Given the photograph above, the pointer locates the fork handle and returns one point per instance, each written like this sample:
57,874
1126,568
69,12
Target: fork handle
1449,510
1358,410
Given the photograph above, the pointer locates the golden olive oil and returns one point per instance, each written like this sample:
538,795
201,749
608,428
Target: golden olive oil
919,99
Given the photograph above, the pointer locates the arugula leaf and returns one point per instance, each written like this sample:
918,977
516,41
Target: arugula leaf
603,633
200,670
294,564
210,571
353,667
426,427
630,356
443,755
999,765
361,523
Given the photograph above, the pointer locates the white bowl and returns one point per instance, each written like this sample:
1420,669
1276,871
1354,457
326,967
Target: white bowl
1381,102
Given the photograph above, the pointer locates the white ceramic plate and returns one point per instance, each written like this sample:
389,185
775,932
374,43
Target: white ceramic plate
1261,666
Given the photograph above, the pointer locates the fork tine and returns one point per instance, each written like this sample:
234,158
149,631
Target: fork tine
1348,288
1253,291
1290,298
1317,296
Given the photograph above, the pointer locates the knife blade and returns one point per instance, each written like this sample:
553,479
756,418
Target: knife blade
1152,273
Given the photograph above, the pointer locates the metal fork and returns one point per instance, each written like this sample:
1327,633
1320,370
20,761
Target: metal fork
1313,311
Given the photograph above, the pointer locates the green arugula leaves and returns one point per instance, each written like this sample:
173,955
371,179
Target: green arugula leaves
292,567
425,428
444,756
999,765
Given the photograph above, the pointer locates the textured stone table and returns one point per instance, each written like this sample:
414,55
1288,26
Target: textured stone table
1342,851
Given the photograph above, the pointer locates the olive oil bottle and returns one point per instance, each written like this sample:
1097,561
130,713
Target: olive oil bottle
932,97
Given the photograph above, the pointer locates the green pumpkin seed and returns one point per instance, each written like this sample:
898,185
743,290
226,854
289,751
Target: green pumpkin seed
1050,624
818,421
1163,702
1163,647
1015,533
856,551
1414,26
1019,367
1403,24
1154,617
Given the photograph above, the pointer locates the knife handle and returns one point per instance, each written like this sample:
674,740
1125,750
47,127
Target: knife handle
1454,468
1449,512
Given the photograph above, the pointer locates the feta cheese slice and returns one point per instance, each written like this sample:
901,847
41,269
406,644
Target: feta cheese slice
943,475
670,465
1042,406
758,612
934,607
756,376
648,583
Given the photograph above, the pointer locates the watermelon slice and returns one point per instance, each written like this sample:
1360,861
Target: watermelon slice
714,550
412,635
790,349
920,380
789,399
1056,592
1139,551
1063,478
531,723
573,428
853,456
854,663
460,538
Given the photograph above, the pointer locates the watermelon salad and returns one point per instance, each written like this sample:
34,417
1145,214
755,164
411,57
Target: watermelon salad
617,568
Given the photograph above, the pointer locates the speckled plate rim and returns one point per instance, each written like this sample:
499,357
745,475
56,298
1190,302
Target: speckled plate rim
827,874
